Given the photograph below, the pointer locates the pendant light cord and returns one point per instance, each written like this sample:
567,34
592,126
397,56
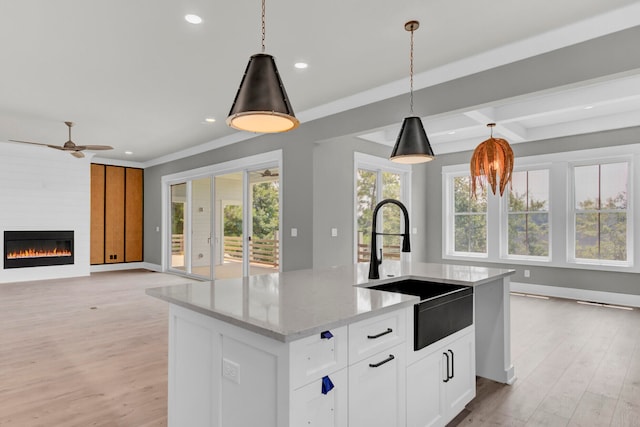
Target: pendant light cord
263,25
411,75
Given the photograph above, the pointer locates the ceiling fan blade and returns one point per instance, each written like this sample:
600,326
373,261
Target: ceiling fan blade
77,154
94,147
55,147
29,142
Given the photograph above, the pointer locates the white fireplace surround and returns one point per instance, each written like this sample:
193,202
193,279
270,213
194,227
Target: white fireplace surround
45,189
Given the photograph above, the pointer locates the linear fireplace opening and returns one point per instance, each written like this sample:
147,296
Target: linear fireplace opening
37,248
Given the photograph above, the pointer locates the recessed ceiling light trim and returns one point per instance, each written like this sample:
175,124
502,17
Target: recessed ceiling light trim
301,65
193,19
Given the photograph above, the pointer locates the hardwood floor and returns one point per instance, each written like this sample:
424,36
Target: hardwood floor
93,352
576,365
84,352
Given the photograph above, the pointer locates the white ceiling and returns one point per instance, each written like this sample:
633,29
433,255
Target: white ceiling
137,76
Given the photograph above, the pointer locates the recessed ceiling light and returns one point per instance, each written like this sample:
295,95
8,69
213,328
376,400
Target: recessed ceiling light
128,153
193,19
452,132
210,120
588,107
301,65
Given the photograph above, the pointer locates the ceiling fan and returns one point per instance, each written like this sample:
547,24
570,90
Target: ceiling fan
75,150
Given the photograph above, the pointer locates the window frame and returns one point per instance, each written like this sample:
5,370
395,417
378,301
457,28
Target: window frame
448,228
504,219
560,198
571,214
378,165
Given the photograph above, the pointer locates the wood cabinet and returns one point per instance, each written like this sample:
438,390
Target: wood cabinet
440,384
116,214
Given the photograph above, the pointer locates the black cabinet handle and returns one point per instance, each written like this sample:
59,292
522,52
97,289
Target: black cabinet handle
452,363
448,377
373,337
388,359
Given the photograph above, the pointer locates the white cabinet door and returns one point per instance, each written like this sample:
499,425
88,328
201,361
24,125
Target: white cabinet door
425,400
311,407
461,387
442,383
377,389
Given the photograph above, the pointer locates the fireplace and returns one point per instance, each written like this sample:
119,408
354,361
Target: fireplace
37,248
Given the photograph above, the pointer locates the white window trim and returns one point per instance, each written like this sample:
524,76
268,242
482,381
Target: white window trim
504,219
377,164
571,212
448,223
559,210
257,161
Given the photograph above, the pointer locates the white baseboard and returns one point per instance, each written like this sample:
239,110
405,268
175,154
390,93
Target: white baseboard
628,300
126,266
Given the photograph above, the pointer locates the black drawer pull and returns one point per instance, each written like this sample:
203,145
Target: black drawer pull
448,376
388,359
373,337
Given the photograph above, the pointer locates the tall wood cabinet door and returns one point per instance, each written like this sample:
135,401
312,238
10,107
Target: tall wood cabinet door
133,214
97,213
114,215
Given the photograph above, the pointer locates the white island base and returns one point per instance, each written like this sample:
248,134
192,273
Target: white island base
247,365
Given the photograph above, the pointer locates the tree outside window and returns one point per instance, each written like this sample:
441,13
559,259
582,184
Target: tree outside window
470,217
389,218
600,211
528,214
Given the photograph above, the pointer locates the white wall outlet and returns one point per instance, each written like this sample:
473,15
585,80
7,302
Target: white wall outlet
334,232
414,230
527,273
231,370
294,232
157,229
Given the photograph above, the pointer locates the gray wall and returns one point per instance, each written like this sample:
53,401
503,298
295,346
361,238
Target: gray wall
333,183
297,190
314,175
430,249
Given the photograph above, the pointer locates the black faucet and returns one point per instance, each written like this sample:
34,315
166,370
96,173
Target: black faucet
374,272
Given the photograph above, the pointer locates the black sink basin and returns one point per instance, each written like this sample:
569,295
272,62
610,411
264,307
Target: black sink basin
443,308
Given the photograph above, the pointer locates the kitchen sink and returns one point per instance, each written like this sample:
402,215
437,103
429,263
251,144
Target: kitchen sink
443,309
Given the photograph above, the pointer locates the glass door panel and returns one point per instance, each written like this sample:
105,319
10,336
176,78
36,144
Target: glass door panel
201,227
228,241
178,210
264,198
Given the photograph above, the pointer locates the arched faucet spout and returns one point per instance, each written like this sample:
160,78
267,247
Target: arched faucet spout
374,271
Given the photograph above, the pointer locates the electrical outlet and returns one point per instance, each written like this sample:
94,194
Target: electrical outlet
527,273
334,232
231,370
294,232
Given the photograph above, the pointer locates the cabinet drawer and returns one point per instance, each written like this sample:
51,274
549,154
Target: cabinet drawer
373,335
309,406
314,357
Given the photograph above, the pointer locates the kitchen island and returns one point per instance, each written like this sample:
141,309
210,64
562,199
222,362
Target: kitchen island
317,347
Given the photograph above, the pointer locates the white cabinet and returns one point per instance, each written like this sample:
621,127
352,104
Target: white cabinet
377,389
377,369
311,407
441,383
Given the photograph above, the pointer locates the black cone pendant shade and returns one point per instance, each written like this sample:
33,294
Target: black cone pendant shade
261,104
412,145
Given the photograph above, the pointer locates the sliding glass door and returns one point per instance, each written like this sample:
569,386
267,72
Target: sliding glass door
226,225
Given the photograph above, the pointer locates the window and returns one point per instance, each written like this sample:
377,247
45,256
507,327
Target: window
377,179
556,213
468,230
528,214
600,212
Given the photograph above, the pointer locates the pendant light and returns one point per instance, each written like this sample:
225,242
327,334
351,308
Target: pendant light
261,104
412,145
492,162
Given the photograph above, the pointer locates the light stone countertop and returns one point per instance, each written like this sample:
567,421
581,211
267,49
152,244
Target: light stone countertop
295,304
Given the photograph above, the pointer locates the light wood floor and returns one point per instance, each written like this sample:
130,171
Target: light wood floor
84,352
65,363
576,365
